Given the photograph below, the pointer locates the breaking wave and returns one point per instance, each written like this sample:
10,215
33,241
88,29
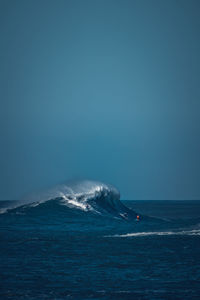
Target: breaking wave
84,196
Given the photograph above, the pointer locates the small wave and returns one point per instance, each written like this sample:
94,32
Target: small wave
157,233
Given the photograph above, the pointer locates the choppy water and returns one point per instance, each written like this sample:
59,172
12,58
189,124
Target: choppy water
83,243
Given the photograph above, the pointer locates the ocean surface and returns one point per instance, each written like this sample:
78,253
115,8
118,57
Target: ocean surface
80,241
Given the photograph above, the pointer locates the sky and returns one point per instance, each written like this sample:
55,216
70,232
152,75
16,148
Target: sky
100,89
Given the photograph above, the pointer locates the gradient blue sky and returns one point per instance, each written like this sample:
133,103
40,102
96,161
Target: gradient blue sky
105,90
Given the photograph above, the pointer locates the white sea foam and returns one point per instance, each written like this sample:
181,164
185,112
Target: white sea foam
158,233
73,202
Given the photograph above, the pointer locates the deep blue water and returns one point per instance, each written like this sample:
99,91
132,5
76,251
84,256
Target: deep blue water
54,251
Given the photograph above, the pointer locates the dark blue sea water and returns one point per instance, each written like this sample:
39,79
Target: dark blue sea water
86,244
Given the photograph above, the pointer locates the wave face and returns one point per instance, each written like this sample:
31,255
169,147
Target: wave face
84,196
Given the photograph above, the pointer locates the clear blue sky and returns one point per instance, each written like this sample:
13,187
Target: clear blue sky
105,90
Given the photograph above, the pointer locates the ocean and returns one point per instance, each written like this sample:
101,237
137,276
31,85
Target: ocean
80,241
